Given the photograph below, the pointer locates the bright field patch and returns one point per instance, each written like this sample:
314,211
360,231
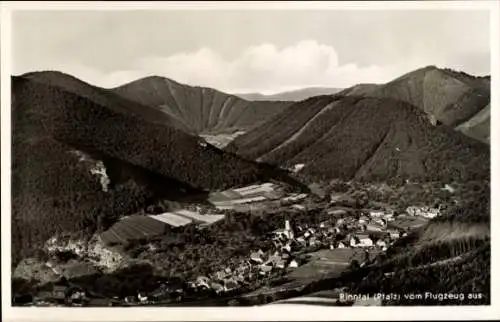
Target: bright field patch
198,217
329,262
172,219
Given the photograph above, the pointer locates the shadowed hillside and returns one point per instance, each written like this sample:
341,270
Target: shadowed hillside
104,97
203,110
79,165
365,138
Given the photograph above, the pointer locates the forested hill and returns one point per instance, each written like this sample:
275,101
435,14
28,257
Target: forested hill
453,98
365,138
203,110
65,145
104,97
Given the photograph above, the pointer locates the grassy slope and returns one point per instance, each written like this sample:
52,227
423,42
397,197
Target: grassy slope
204,110
452,97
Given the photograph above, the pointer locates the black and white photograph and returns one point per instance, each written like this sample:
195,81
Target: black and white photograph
269,156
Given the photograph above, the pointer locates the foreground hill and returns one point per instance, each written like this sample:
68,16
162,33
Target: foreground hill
78,165
203,110
364,138
296,95
447,96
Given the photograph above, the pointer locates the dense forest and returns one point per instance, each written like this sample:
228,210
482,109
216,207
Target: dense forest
369,139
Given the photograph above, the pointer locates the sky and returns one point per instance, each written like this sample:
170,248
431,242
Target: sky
248,50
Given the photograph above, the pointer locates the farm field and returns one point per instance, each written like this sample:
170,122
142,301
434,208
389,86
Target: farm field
411,222
189,216
255,193
172,219
132,227
329,261
221,140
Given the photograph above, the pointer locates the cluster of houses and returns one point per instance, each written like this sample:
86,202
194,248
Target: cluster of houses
426,212
61,295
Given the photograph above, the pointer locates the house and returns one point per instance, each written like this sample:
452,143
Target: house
218,288
298,207
142,297
448,188
301,240
293,264
394,234
281,264
365,241
389,217
354,241
431,213
376,214
365,218
273,259
77,297
313,241
219,275
287,248
202,281
59,293
341,245
130,299
265,269
257,256
381,243
230,285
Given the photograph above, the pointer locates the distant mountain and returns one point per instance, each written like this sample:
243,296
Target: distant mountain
365,138
203,110
296,95
447,96
81,161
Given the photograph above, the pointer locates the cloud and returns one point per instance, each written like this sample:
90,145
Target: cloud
262,68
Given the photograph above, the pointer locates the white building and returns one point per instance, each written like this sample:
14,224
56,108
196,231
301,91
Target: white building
365,242
376,214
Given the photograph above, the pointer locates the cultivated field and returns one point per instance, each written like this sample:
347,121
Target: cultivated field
329,261
132,227
184,217
255,193
411,222
172,219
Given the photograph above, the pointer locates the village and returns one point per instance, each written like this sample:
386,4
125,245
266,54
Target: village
345,233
